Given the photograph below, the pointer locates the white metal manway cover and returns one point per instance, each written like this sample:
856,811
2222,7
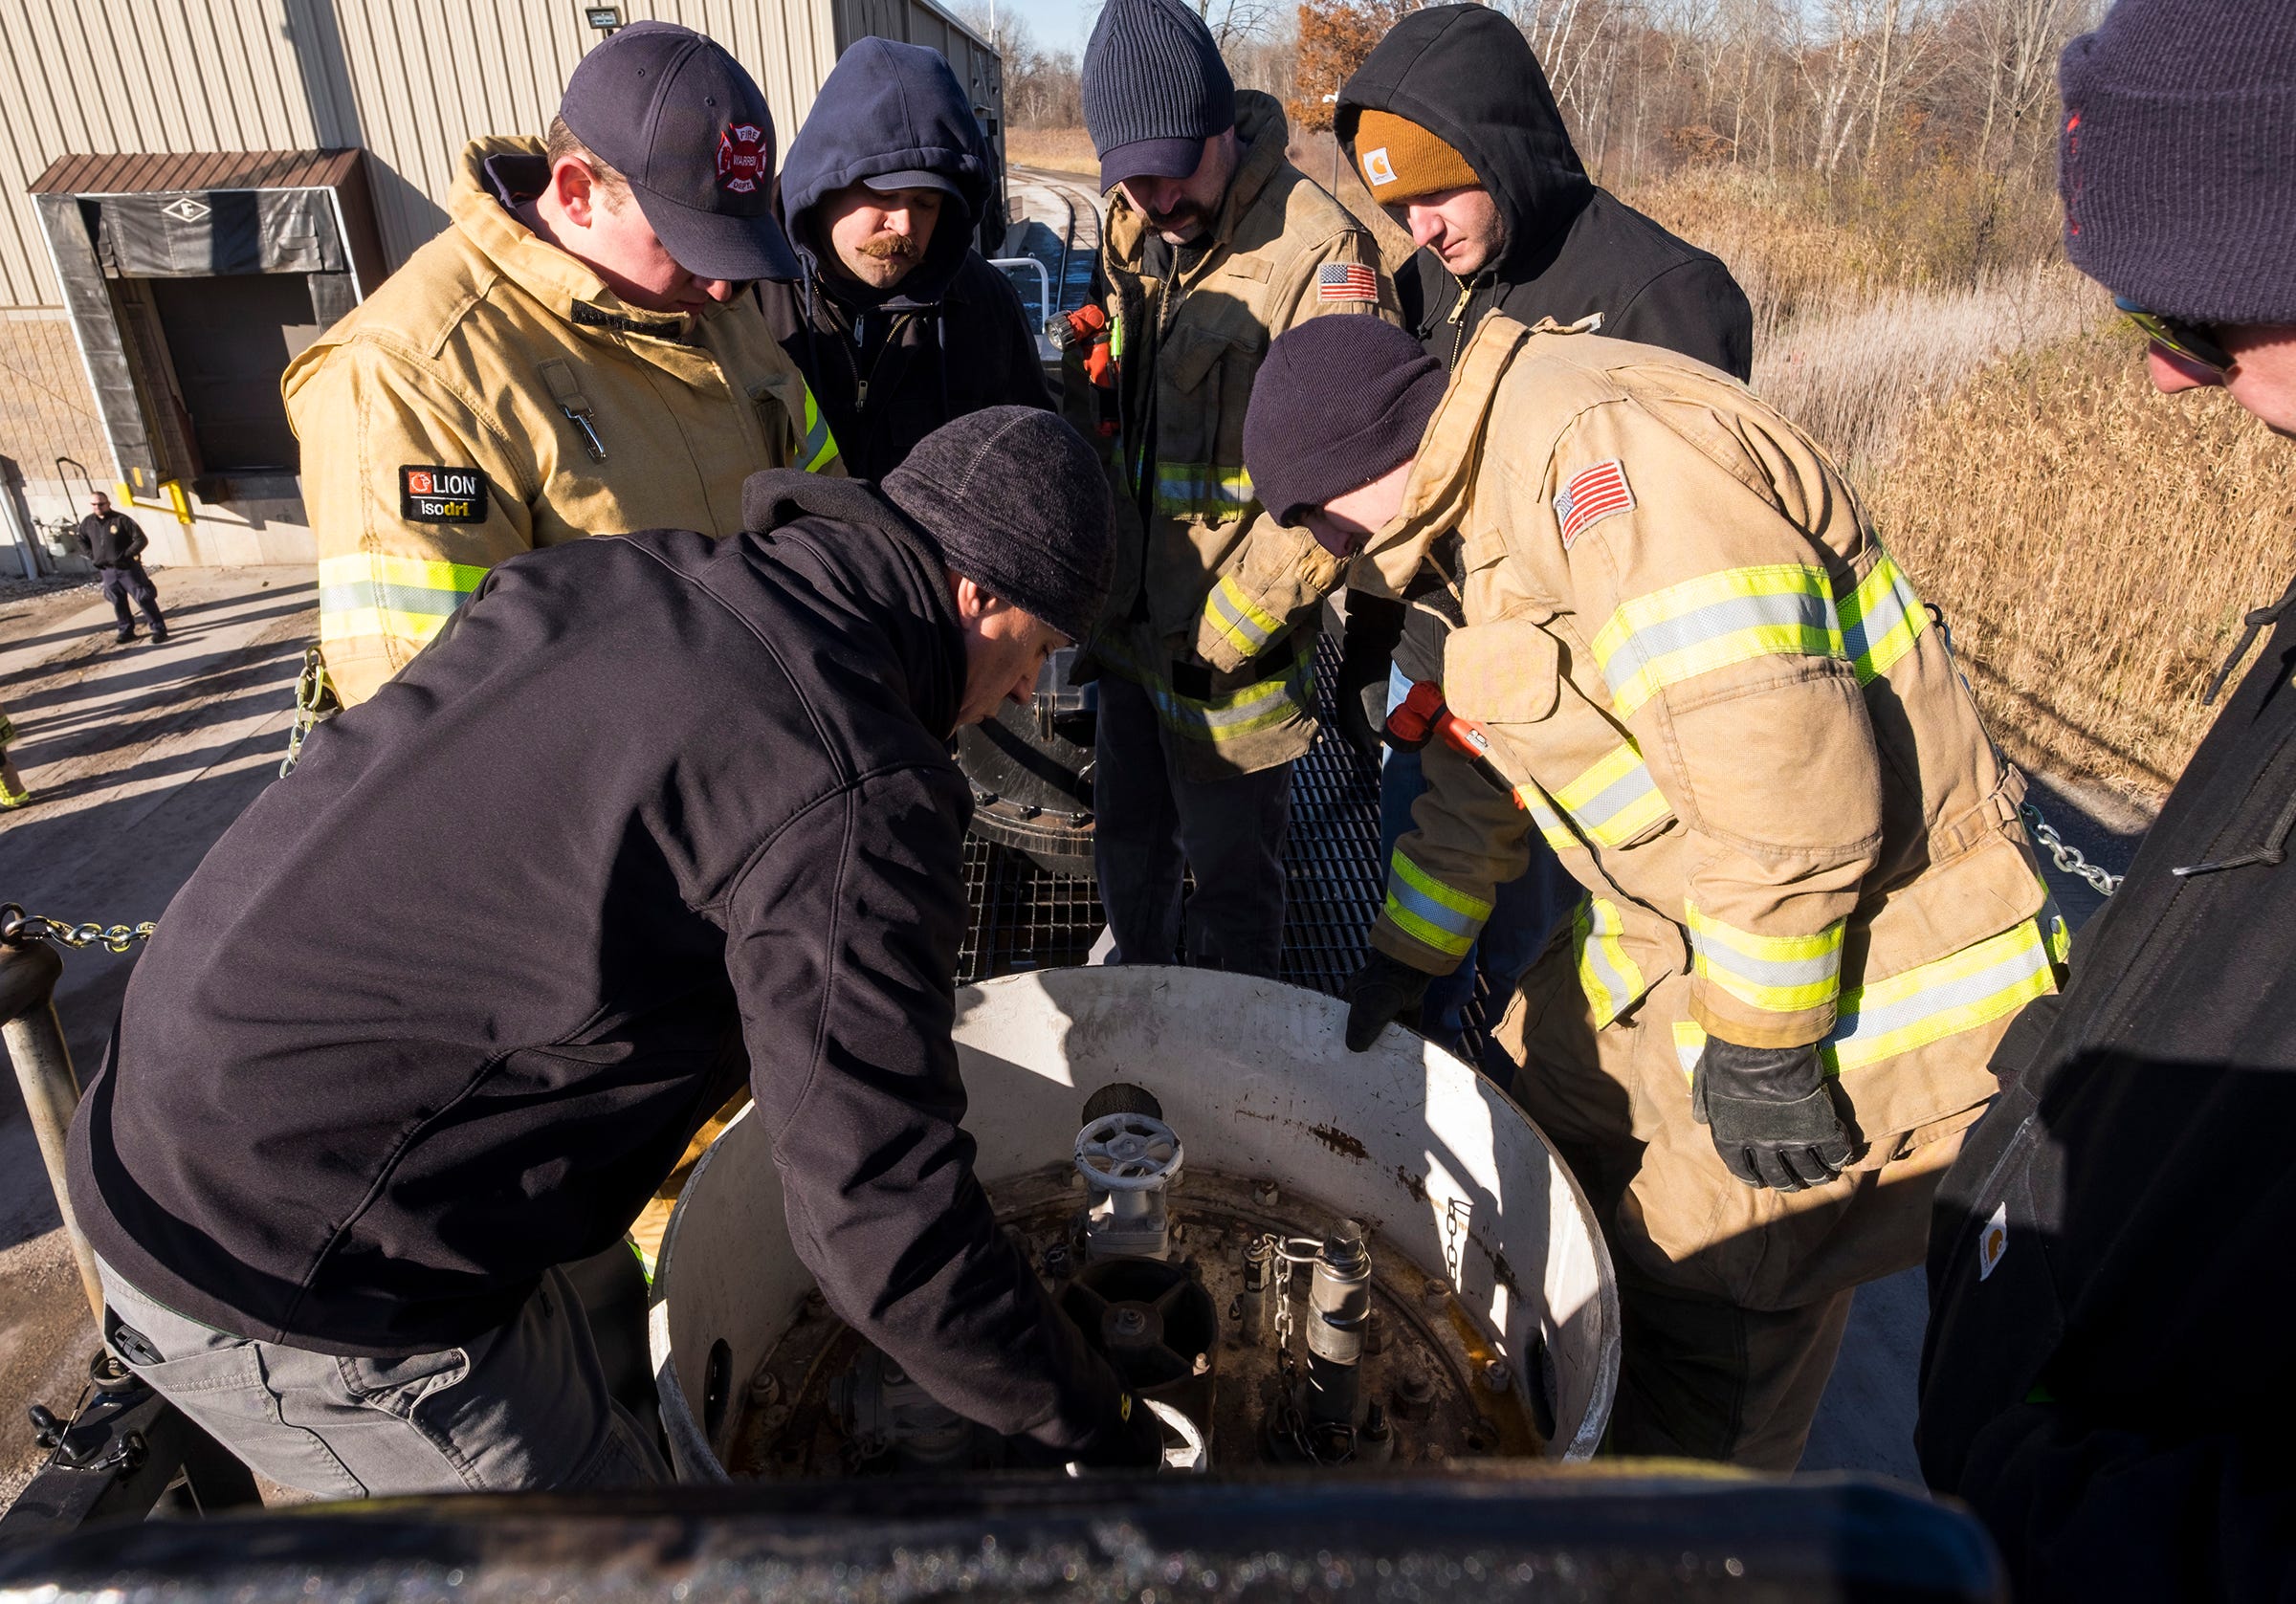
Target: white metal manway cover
1256,1078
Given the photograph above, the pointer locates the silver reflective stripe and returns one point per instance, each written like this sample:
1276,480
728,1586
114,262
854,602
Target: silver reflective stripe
1651,642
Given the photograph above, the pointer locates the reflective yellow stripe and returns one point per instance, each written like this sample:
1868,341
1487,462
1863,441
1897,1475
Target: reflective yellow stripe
1708,622
1880,620
1690,1040
1616,800
1556,834
1202,490
407,598
1612,981
1242,624
820,445
1975,987
1256,707
1425,908
1776,974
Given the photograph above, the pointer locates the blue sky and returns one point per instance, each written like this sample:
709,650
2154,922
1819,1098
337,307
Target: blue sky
1056,24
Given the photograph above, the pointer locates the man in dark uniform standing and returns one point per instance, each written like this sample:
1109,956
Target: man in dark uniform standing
114,545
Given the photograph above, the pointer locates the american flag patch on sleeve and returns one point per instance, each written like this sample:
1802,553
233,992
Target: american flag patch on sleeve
1346,282
1592,496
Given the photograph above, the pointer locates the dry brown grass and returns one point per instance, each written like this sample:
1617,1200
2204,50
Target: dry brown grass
2093,544
1065,150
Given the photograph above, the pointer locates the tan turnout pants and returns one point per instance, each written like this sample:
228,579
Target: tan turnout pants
1734,1297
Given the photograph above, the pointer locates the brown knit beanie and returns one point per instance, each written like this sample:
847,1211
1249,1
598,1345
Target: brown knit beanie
1400,161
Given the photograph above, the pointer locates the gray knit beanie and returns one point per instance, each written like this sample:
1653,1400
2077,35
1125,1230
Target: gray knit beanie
1337,402
1155,89
2177,157
1019,505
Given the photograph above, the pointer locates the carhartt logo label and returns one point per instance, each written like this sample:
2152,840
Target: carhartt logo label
442,496
1377,167
1993,1243
741,167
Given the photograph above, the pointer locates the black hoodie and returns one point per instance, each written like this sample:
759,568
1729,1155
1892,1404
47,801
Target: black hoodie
1468,76
889,366
443,1007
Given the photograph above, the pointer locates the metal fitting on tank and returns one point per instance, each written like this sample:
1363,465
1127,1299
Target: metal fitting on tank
1255,1308
1339,1310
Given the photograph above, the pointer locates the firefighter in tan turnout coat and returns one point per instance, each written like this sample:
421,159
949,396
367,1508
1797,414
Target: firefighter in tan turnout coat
531,377
1810,909
1213,244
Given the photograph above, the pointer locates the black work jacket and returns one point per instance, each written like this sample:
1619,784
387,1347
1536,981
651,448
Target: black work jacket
2112,1283
443,1007
888,375
1465,74
111,541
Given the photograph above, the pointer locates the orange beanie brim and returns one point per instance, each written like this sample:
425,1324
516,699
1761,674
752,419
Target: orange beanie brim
1400,161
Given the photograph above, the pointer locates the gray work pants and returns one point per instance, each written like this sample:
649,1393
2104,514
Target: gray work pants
524,1406
1150,823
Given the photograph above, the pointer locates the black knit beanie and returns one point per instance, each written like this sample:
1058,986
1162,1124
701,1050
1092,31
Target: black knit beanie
1155,89
1339,401
1019,505
2178,159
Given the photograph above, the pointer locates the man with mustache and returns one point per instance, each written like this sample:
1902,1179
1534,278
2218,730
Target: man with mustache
897,321
1213,245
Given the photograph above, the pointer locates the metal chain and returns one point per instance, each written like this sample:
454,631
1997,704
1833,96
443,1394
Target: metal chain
310,711
17,927
2069,860
2068,857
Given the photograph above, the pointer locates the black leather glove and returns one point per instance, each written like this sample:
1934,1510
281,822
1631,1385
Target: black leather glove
1366,657
1133,1440
1772,1117
1385,990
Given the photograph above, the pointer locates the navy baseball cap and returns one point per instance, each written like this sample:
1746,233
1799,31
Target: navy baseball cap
676,115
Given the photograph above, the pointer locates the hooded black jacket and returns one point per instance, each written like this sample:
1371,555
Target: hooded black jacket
888,367
2112,1283
443,1007
1468,76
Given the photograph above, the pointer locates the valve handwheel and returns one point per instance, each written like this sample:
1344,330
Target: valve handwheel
1127,1153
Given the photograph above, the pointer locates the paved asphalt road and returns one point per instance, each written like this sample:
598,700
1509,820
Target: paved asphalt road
142,755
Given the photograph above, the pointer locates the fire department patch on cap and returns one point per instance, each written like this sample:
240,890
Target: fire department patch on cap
1593,495
442,496
741,158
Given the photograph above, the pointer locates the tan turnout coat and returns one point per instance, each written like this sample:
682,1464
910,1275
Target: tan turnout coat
1723,704
476,359
1208,579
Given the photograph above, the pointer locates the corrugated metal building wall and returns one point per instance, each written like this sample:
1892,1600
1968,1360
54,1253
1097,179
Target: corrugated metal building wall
410,82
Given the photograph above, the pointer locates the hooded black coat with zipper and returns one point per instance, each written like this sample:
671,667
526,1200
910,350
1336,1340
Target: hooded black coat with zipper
657,813
888,367
1468,76
2112,1280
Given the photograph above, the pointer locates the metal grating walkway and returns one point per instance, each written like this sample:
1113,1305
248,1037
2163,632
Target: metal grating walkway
1025,917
